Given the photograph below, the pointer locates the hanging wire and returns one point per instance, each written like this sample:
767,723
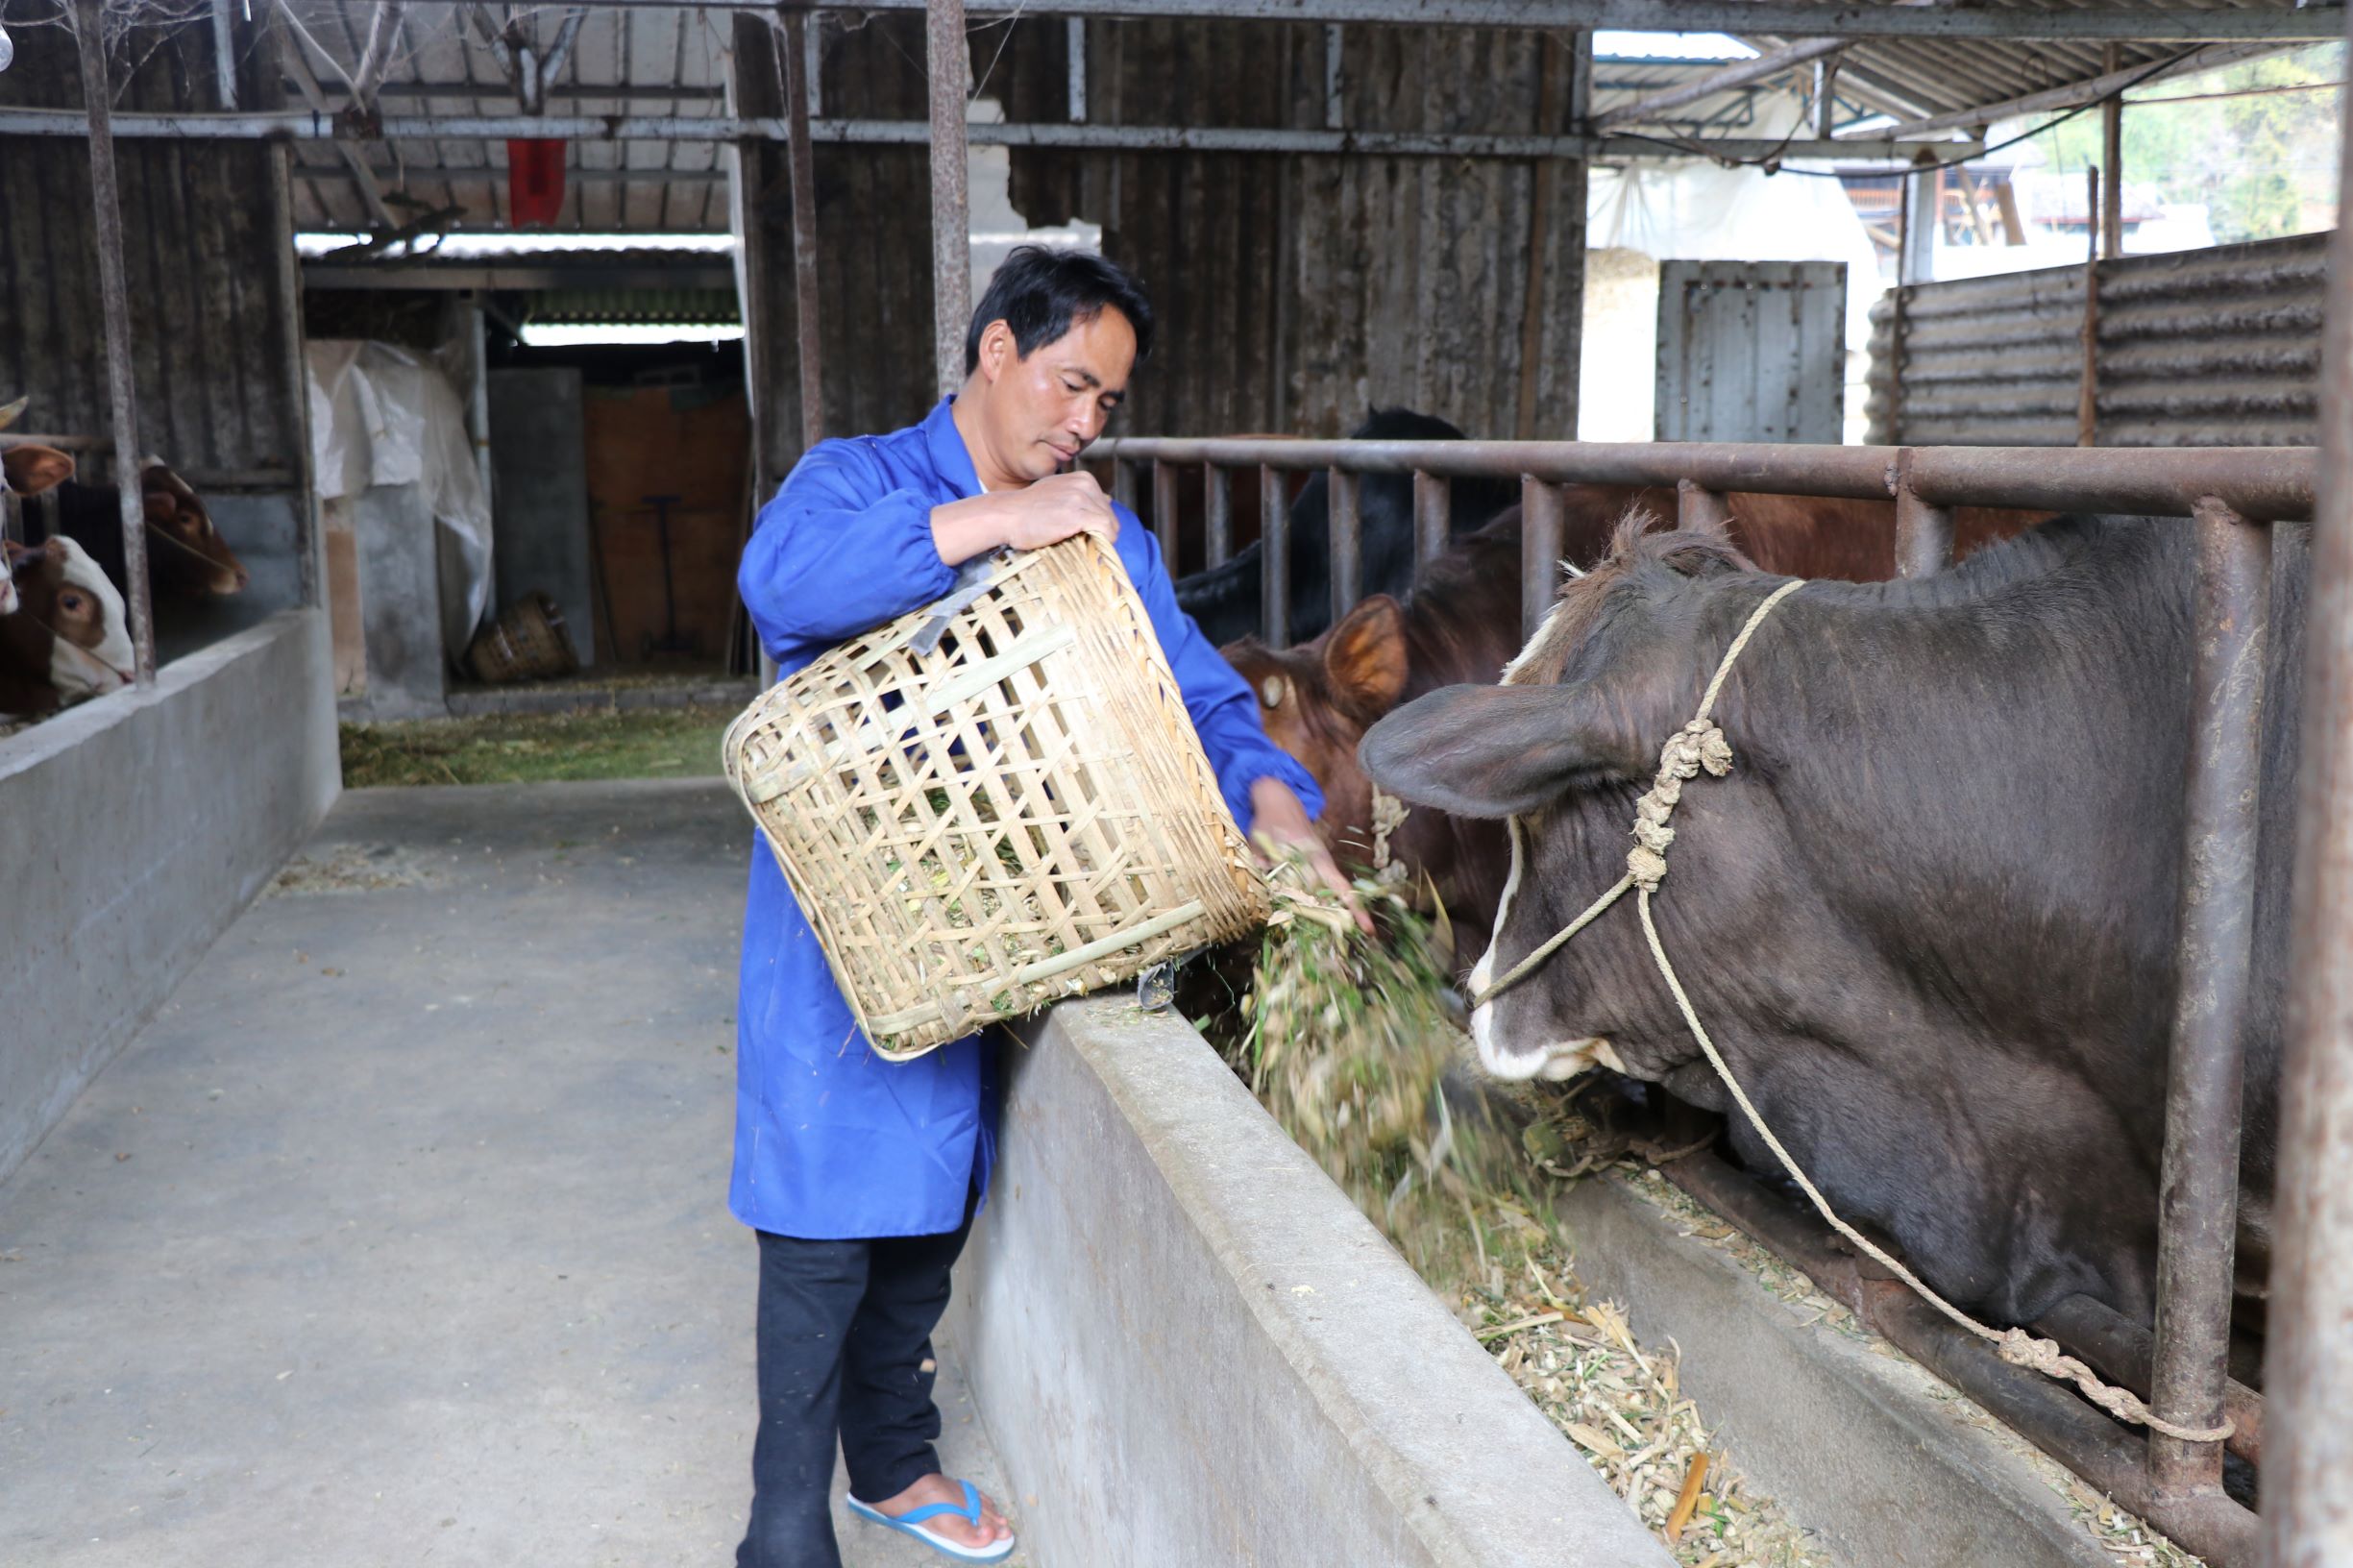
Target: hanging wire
1772,163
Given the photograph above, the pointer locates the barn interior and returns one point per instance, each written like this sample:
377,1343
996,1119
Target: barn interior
484,332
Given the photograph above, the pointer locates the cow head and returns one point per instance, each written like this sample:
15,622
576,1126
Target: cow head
60,587
1562,748
1318,699
189,551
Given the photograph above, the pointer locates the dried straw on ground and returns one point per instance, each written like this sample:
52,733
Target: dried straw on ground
1349,1042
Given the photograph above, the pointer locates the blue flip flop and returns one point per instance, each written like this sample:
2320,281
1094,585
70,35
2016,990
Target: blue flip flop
911,1523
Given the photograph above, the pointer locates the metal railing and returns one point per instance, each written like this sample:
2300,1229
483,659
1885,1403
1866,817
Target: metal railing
2230,496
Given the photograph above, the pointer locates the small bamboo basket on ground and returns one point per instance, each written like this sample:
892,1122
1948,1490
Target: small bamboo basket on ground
1022,814
527,642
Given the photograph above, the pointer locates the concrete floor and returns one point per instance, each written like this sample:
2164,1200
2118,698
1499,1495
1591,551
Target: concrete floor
400,1235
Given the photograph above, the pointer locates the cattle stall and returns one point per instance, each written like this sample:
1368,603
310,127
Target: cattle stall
2230,497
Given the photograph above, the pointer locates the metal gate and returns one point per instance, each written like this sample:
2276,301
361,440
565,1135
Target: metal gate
1751,350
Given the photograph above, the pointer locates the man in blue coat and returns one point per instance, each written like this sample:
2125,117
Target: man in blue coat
861,1175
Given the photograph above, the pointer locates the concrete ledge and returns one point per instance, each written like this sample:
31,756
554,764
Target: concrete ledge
1883,1460
131,830
1190,1348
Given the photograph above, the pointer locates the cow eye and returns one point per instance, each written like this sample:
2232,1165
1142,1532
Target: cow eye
1271,690
69,602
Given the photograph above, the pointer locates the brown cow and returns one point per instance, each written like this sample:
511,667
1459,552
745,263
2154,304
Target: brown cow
1462,625
186,556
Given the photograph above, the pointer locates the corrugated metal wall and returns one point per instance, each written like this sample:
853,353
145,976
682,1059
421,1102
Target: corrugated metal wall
203,256
1751,350
1296,292
2197,348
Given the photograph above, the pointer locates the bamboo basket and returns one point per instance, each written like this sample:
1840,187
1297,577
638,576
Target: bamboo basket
527,642
1020,815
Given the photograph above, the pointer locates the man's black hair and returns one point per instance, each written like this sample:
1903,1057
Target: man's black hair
1039,291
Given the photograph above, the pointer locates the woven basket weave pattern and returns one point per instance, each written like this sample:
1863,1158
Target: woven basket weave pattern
1021,814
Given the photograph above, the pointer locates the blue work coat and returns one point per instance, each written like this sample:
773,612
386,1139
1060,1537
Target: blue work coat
831,1141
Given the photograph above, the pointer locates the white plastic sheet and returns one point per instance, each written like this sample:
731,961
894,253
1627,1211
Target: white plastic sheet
380,415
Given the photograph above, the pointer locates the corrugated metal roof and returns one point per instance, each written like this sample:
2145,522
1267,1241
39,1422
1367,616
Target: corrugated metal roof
673,60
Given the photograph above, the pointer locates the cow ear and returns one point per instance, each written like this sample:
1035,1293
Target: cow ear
31,470
1365,659
1495,750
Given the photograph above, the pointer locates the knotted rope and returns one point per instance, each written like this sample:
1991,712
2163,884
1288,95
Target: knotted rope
1698,748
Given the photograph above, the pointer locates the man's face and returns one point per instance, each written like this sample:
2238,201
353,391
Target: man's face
1040,412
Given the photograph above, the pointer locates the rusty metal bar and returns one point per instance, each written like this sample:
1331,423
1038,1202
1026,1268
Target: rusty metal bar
1543,521
1164,512
1434,501
2198,1199
1274,558
1923,533
1217,509
1696,507
2259,483
113,295
800,162
1123,482
2307,1367
1347,543
2071,1430
948,60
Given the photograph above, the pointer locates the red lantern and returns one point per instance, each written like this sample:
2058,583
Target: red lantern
534,180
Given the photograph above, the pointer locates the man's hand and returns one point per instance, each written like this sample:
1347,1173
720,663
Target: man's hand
1277,815
1044,513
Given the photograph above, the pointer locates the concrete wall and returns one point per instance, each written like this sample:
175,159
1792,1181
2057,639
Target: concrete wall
132,830
1190,1348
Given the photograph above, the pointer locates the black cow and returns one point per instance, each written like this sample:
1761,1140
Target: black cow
1224,601
1929,916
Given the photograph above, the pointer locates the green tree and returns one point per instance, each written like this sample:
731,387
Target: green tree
2263,162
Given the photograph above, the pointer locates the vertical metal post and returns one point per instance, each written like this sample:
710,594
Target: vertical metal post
1434,501
1347,542
1164,512
1916,259
1123,482
2308,1364
2087,384
105,204
225,55
2199,1197
2112,163
1923,533
293,358
1217,508
948,60
1543,521
801,160
1696,507
1274,558
1076,49
477,399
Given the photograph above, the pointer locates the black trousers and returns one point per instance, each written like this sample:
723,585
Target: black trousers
845,1353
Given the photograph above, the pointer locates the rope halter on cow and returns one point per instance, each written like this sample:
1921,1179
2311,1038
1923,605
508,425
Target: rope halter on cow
1698,748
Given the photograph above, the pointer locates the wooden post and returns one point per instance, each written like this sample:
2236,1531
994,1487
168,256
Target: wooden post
2112,161
113,296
